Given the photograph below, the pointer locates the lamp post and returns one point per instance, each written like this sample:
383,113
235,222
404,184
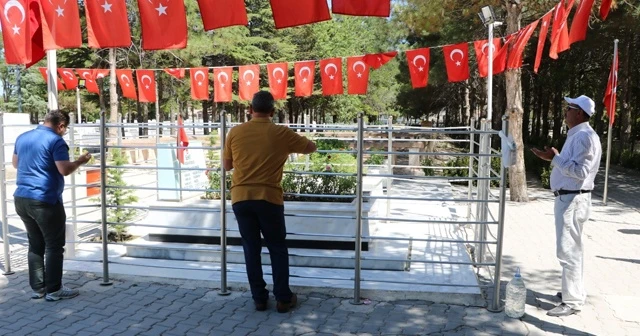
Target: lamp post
488,18
81,85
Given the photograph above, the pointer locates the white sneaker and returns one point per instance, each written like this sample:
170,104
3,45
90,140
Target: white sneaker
38,294
63,293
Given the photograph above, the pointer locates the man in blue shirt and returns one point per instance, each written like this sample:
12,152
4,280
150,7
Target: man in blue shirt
41,157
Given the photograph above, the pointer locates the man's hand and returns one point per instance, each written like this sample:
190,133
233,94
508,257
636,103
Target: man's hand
547,154
84,158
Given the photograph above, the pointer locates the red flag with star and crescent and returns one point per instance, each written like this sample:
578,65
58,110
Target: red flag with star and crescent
89,80
357,75
541,38
482,54
248,81
560,30
68,77
418,60
611,91
146,86
304,75
456,58
331,75
177,73
222,84
16,33
199,83
290,13
125,78
60,24
222,13
182,140
514,59
278,79
107,24
164,24
43,72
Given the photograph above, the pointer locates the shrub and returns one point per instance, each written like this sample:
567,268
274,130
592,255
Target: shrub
117,196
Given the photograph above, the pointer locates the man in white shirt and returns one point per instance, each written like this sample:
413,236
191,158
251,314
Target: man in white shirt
574,170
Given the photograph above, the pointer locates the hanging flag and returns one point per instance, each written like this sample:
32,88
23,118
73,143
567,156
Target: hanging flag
560,32
182,140
377,60
43,72
500,60
222,13
125,78
70,80
357,76
222,85
146,86
290,13
418,60
304,78
199,83
164,24
89,80
456,58
331,75
60,24
482,54
35,31
580,21
514,60
604,9
380,8
248,81
16,33
541,38
178,73
107,24
278,79
611,92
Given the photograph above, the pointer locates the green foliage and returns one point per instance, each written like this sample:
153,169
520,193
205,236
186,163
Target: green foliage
375,159
118,196
322,184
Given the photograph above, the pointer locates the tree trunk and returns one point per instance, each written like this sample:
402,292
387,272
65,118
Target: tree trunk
205,116
517,173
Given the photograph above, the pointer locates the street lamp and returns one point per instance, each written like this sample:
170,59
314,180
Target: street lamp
488,18
81,85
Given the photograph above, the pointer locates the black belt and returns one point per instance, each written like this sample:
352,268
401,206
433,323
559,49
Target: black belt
568,192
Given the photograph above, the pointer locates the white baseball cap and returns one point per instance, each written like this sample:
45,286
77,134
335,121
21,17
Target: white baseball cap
584,102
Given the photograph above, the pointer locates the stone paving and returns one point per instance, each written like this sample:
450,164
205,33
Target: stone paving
138,306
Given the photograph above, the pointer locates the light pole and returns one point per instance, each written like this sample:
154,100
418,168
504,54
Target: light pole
81,83
489,19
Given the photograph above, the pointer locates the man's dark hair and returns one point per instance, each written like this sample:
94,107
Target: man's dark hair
263,102
57,117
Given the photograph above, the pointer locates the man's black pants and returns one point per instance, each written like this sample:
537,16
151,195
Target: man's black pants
45,224
261,216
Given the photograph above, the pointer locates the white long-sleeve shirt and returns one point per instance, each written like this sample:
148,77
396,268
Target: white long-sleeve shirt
576,166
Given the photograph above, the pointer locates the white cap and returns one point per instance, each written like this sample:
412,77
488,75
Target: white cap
584,102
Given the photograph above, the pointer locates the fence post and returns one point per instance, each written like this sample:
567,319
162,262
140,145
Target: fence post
71,228
103,194
358,237
390,163
3,200
223,210
472,139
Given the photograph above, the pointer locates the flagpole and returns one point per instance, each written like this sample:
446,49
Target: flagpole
609,132
52,82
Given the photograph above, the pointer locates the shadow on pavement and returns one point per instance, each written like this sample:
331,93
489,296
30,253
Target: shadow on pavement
634,261
629,231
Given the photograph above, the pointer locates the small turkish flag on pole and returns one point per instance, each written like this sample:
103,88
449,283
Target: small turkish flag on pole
418,60
278,79
456,58
248,81
182,140
304,74
146,86
125,78
612,88
199,83
222,84
357,75
331,75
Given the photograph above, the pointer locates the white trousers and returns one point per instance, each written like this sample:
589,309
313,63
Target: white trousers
571,212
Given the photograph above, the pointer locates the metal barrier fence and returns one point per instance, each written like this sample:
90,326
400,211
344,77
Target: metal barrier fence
467,153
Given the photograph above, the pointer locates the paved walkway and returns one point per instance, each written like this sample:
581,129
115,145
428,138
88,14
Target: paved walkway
135,306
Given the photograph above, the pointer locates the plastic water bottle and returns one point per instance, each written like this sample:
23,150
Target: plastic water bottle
516,296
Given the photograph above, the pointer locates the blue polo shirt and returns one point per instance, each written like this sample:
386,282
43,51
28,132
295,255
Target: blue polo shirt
38,176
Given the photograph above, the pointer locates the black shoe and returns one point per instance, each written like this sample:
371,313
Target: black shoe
562,310
284,307
260,305
559,295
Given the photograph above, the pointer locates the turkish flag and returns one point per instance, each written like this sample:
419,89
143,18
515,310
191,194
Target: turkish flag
248,81
60,24
482,54
377,60
304,75
604,9
290,13
541,38
418,61
357,75
500,60
199,83
380,8
222,84
164,24
560,32
611,92
146,86
222,13
35,32
107,24
176,72
514,60
90,82
68,77
182,140
43,72
331,75
125,78
580,21
16,33
278,79
456,60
